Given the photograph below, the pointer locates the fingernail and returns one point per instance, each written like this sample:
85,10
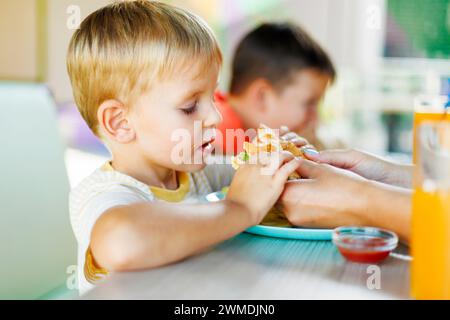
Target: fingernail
310,152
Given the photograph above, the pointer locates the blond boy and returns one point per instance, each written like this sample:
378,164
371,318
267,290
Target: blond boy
142,71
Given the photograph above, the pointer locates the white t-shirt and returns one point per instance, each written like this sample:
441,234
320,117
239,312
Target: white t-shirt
106,188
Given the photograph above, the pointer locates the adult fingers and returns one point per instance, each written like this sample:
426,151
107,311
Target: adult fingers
283,130
344,159
309,169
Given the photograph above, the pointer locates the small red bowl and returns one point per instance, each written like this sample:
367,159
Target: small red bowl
364,244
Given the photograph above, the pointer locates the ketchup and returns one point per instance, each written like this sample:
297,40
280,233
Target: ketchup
364,256
367,254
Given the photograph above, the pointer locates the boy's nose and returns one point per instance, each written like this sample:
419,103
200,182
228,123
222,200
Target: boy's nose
214,117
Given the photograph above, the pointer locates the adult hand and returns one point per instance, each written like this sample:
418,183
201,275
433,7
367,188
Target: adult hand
330,197
366,165
326,197
300,142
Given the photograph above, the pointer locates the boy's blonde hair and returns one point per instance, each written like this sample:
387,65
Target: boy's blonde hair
120,50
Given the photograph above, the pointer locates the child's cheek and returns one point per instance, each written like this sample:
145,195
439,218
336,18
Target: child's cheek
296,118
180,146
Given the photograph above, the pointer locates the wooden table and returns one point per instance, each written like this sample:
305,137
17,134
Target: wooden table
255,267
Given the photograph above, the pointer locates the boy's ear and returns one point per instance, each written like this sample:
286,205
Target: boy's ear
112,118
259,91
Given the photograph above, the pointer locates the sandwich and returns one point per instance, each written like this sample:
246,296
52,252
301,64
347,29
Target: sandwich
267,141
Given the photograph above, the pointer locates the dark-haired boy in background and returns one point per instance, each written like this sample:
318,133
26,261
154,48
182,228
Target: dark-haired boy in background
279,76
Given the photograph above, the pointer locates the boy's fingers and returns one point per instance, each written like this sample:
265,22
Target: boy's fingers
260,158
286,169
283,157
276,158
275,161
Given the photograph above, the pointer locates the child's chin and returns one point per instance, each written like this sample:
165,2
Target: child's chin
193,167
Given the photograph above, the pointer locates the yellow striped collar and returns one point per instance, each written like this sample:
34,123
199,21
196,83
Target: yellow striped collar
165,194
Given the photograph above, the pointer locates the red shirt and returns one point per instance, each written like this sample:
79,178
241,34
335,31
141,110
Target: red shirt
232,124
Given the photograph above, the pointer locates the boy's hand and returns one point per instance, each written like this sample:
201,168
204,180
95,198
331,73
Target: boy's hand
257,186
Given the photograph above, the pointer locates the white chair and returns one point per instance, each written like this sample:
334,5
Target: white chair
37,245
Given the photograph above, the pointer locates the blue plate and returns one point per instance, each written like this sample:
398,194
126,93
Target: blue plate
280,232
291,232
215,196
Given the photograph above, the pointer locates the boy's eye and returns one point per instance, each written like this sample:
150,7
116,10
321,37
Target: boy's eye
191,109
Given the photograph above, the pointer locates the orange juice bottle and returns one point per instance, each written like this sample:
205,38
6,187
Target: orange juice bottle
428,109
423,116
430,272
430,233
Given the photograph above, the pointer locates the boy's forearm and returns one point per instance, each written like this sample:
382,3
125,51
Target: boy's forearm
146,235
389,207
